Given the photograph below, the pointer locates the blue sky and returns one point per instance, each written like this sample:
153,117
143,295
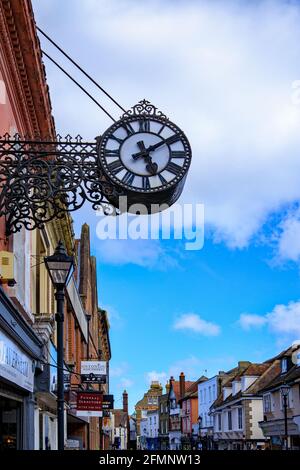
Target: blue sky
228,73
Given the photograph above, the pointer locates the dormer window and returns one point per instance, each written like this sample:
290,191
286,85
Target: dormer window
283,365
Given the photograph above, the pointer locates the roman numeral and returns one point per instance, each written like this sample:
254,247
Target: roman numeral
173,168
161,129
111,153
128,128
117,139
115,166
145,182
178,154
144,125
172,139
128,178
162,179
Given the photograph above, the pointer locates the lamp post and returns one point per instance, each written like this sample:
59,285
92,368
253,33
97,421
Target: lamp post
199,430
60,267
285,390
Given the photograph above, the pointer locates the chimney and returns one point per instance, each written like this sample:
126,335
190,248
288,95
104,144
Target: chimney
125,401
182,384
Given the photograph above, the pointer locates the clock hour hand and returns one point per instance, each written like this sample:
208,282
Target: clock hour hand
170,140
151,166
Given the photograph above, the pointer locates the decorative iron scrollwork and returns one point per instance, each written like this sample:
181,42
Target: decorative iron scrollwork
144,107
42,179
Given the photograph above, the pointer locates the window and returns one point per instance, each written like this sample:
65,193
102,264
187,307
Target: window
283,365
201,397
209,394
220,422
240,418
229,421
205,395
267,403
214,392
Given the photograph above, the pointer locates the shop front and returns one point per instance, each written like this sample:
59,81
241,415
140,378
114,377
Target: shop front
20,360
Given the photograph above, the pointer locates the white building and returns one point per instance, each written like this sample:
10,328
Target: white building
153,429
207,394
239,409
142,441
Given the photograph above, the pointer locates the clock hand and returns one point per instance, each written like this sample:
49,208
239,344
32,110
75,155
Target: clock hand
151,166
169,140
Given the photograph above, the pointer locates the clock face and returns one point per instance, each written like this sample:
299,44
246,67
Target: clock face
144,153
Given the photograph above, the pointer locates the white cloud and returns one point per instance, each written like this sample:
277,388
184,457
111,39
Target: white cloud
248,321
289,238
283,320
126,383
193,322
234,64
146,253
118,370
153,375
114,318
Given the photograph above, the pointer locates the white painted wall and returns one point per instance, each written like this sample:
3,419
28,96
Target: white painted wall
152,423
207,394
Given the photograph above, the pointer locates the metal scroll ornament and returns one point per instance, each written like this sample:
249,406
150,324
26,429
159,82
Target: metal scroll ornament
42,179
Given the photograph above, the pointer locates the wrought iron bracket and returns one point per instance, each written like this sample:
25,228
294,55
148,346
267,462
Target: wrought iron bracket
41,179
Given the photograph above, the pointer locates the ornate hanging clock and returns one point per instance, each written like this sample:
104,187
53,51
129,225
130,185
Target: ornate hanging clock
145,156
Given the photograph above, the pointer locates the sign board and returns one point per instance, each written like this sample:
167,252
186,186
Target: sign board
15,365
53,371
89,404
108,402
93,372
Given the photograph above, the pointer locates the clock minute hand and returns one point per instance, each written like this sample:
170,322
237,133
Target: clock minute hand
151,166
167,141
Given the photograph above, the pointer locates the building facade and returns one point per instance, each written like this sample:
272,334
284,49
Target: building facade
148,402
273,422
190,414
238,409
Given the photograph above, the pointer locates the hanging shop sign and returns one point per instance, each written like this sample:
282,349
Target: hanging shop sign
15,365
108,402
93,372
89,404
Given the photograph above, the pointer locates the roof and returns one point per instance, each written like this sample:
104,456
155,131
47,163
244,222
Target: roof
192,390
264,372
176,387
290,376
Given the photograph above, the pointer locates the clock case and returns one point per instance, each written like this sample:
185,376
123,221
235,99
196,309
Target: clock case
158,197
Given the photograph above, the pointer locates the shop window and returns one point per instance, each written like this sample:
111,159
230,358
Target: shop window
10,424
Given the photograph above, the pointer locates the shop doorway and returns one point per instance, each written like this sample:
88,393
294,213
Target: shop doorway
10,424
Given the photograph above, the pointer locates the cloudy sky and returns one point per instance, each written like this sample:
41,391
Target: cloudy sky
228,73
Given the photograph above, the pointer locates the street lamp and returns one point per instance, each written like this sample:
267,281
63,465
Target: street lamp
60,267
285,390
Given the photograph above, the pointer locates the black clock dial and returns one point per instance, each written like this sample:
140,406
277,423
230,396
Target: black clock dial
145,154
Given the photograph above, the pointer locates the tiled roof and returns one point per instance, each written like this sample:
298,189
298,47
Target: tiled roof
176,387
290,376
265,373
192,390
